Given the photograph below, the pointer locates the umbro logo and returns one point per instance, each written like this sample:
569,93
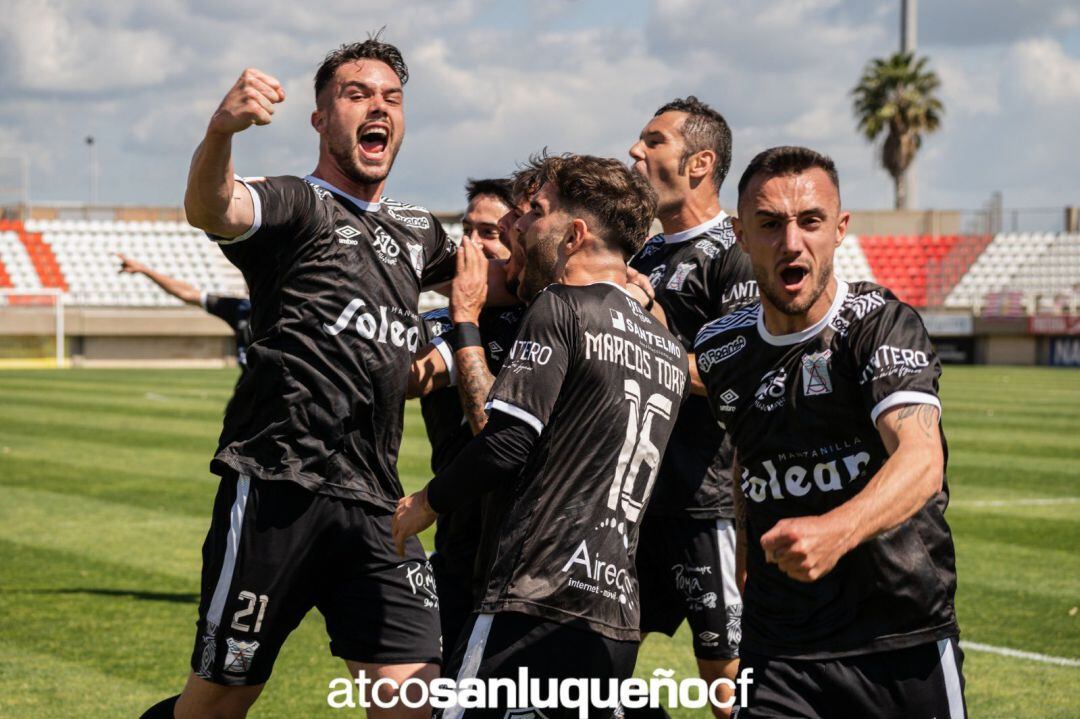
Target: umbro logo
346,235
729,396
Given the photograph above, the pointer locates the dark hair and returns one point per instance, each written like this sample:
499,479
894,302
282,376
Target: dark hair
787,160
703,129
620,200
526,179
499,188
371,49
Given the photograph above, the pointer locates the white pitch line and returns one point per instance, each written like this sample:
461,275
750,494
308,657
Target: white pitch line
1017,654
1037,502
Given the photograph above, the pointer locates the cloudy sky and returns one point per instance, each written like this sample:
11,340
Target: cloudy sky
493,81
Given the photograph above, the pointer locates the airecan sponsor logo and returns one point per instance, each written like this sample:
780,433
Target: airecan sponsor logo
707,359
378,325
601,577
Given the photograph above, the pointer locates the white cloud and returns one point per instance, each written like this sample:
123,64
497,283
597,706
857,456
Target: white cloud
490,85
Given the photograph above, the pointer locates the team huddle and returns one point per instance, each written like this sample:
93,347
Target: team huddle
627,431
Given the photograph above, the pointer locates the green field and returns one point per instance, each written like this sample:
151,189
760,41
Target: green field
105,499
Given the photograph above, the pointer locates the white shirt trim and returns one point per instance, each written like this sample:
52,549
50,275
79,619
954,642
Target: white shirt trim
202,301
517,412
903,397
801,336
256,221
693,232
447,353
618,287
362,204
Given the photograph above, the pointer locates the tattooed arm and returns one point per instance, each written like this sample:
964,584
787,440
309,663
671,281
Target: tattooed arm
806,548
474,383
467,297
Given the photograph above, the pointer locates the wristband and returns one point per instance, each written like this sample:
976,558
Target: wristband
466,334
650,303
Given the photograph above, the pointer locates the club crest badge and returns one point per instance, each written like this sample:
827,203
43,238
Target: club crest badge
815,374
238,655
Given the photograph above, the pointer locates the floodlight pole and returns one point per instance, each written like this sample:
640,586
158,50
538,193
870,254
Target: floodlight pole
908,30
908,26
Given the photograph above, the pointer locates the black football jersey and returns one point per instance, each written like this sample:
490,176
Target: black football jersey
601,382
334,284
801,409
235,312
447,429
698,275
458,533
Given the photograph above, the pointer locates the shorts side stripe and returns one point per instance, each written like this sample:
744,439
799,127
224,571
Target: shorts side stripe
725,542
474,653
236,523
952,679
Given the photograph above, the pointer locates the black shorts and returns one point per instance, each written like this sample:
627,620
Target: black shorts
922,681
456,603
686,570
275,550
498,644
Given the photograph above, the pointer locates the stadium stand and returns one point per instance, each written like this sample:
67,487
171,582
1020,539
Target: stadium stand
79,257
1007,275
1022,274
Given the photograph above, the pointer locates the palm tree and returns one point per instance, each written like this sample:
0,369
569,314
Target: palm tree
896,95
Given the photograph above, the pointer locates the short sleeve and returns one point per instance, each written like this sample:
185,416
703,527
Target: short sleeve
440,255
438,330
229,309
539,359
732,284
896,361
284,207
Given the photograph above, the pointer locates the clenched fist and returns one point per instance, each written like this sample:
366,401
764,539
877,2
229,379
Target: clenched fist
249,102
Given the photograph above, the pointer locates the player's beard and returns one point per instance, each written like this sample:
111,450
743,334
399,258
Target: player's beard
541,261
346,149
766,280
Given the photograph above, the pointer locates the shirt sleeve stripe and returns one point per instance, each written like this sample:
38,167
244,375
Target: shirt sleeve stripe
517,412
898,398
448,357
256,223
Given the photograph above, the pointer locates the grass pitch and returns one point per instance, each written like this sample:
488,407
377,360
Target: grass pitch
105,498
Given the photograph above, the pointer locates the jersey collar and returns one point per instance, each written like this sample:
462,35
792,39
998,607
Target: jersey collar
803,335
363,205
677,237
618,287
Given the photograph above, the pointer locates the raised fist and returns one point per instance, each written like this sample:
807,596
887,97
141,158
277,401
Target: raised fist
249,102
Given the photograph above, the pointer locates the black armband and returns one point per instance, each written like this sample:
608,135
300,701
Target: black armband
466,334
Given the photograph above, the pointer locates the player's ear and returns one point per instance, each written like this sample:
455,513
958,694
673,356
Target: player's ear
701,165
841,227
318,120
576,232
737,228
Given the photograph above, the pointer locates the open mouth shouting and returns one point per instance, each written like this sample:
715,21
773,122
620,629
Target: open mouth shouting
374,141
793,277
